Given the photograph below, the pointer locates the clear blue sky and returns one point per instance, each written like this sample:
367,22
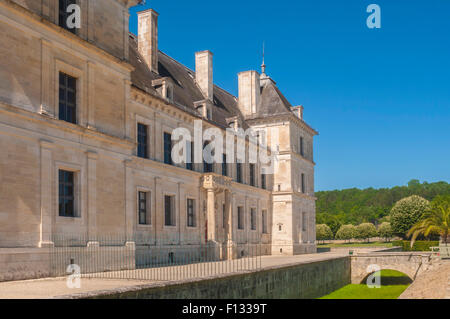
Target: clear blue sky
379,98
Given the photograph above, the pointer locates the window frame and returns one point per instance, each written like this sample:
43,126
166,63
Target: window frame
252,173
66,197
240,218
264,221
167,153
253,220
64,105
172,213
148,207
193,215
239,172
303,183
145,144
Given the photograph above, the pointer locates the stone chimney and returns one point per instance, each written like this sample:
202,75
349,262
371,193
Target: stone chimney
148,38
249,92
204,73
298,111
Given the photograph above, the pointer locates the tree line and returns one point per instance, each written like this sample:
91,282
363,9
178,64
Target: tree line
358,206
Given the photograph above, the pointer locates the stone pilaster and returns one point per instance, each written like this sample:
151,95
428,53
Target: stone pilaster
92,197
46,78
211,214
129,203
91,95
46,226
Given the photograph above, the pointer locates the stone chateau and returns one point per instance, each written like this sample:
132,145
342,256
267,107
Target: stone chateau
86,117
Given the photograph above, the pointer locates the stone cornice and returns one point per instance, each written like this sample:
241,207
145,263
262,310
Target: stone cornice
305,196
282,117
296,155
65,126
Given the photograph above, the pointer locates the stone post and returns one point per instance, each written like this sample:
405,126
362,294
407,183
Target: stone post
46,226
92,198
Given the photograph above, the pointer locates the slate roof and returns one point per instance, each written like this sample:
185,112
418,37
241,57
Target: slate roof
186,92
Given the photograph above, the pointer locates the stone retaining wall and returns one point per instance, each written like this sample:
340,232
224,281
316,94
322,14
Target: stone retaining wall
308,280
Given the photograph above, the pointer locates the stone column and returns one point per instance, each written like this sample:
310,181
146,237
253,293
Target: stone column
129,204
92,197
229,224
211,216
46,227
156,208
91,95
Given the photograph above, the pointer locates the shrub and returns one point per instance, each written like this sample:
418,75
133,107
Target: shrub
323,232
366,231
385,231
407,212
420,245
346,232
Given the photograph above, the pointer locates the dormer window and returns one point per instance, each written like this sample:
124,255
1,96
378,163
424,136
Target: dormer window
164,87
234,122
204,108
298,111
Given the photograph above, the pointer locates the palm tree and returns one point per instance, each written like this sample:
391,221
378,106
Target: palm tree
435,221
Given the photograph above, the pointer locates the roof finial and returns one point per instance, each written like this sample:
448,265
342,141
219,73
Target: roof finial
263,66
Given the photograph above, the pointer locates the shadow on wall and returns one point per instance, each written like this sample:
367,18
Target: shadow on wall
391,278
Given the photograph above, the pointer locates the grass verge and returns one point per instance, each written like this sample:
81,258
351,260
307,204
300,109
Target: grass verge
393,284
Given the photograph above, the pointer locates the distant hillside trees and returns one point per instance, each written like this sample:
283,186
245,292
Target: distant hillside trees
357,206
407,212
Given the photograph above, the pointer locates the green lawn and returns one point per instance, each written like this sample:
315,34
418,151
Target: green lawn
349,245
393,283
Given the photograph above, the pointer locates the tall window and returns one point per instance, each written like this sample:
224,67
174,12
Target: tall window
302,153
264,221
168,148
240,217
144,213
263,181
64,15
252,175
67,98
190,213
303,183
224,165
304,221
142,139
66,194
169,213
253,218
190,156
239,172
207,167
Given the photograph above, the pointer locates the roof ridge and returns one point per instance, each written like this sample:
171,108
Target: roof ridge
185,67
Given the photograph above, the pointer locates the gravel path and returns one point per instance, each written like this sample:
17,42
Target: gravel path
432,284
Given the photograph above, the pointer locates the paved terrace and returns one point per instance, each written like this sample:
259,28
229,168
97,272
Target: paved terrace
132,280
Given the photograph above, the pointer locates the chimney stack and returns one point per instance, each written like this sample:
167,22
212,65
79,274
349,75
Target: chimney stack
148,38
249,92
204,73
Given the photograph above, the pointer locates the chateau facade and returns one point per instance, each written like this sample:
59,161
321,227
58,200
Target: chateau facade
86,117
